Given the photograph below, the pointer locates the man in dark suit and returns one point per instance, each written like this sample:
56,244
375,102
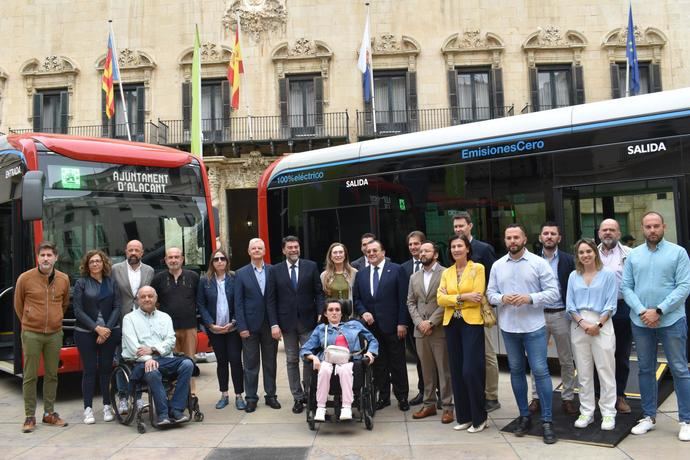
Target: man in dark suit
484,254
380,298
362,263
298,302
257,323
411,266
557,320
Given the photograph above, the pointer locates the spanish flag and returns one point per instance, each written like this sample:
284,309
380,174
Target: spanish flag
234,70
110,75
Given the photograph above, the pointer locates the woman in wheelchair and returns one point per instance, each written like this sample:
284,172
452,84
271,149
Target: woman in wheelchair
330,347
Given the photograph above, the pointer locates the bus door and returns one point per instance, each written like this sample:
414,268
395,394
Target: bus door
322,227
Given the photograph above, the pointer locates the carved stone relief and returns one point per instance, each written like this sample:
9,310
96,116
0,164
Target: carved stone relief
214,60
649,42
550,45
135,66
50,72
393,52
304,56
257,17
471,47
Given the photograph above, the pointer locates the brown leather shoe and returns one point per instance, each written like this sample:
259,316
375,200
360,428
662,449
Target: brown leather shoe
54,419
424,412
569,407
447,417
622,405
534,406
29,425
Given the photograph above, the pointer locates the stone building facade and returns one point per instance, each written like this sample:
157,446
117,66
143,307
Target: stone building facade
435,62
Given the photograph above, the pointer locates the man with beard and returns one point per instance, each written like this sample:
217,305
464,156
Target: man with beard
129,276
656,282
41,298
613,255
521,284
557,321
427,318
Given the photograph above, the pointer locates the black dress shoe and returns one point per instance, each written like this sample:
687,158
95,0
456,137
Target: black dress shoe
272,402
403,405
381,403
298,407
549,435
417,400
251,406
524,424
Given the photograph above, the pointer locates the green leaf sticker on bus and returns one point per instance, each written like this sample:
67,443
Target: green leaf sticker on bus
71,178
401,204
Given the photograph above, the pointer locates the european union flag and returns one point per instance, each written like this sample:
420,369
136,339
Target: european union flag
631,57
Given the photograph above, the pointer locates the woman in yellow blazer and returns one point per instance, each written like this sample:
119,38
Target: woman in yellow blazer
460,293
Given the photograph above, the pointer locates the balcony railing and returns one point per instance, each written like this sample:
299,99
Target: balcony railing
392,122
116,131
539,108
257,129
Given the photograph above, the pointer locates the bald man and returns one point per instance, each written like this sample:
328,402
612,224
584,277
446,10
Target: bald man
131,274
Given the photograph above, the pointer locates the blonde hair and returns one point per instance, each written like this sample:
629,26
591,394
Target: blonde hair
597,259
330,266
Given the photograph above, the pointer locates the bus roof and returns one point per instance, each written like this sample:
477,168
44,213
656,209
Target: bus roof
106,150
558,121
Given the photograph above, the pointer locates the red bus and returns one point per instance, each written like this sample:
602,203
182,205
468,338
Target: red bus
84,193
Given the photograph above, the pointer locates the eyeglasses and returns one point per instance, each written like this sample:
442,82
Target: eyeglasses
95,261
220,259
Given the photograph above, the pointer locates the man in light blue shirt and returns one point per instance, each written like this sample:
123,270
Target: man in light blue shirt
656,282
521,284
148,338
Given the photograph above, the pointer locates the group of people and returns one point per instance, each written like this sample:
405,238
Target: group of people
593,303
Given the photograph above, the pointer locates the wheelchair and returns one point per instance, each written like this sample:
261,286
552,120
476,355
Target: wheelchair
363,388
140,400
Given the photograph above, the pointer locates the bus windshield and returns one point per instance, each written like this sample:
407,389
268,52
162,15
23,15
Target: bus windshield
98,205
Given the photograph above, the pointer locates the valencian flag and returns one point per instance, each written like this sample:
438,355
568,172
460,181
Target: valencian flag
197,135
234,70
110,76
631,57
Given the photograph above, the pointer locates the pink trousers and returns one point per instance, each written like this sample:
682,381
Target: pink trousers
344,372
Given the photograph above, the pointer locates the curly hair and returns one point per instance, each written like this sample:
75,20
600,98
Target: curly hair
84,264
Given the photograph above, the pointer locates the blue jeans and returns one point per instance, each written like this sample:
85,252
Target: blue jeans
170,367
674,339
534,345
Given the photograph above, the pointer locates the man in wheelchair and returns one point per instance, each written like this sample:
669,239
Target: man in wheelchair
148,339
330,347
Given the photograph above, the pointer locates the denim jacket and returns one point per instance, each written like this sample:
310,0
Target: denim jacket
351,331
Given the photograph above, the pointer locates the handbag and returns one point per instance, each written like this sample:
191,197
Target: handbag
488,314
334,354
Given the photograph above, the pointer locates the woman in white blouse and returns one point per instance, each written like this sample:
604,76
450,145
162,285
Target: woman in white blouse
591,302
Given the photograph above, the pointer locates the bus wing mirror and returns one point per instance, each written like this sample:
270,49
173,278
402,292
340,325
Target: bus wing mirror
33,183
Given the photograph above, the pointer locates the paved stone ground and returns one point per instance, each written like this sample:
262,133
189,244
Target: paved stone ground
395,436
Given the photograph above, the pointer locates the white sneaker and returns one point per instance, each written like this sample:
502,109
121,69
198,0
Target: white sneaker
320,415
108,414
608,423
643,425
583,421
140,404
89,419
346,413
122,406
684,433
477,429
462,426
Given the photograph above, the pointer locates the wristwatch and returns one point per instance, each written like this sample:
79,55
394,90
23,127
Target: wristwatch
659,311
600,325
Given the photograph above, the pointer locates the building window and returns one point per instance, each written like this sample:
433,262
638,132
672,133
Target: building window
302,106
390,99
645,80
136,101
215,109
554,85
51,111
474,96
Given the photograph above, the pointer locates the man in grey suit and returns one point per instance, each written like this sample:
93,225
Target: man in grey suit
427,317
129,276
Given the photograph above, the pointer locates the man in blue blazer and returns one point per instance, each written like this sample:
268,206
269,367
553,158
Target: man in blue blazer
380,296
484,254
557,320
257,323
298,301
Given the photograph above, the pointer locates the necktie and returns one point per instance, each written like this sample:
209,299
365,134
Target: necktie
293,276
376,279
416,265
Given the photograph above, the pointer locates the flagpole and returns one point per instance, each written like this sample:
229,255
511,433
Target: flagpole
243,82
371,73
119,81
627,62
